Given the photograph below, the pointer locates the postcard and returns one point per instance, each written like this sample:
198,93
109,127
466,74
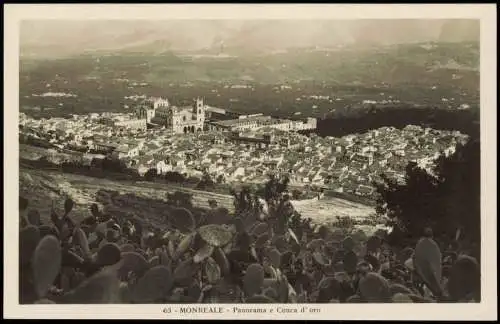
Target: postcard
250,161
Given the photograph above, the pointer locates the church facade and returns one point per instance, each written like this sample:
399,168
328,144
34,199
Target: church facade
180,120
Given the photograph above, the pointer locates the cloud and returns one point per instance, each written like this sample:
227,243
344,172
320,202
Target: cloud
74,37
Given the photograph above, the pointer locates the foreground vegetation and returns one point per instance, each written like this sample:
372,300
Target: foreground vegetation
263,253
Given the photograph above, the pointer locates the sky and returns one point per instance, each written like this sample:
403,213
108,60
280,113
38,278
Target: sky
58,37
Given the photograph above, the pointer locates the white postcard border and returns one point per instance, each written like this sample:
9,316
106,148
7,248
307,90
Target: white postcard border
487,309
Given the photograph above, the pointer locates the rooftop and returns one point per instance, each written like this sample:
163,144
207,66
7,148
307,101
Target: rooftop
235,122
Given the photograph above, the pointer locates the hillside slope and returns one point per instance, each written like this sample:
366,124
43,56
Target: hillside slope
147,199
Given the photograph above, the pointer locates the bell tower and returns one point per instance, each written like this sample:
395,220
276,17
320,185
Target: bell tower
200,113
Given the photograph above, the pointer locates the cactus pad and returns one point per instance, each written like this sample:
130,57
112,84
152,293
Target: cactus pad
101,288
184,245
154,285
259,299
220,257
348,243
133,262
253,279
34,217
182,219
108,254
401,298
212,270
203,253
465,279
46,264
28,241
427,263
215,235
185,272
374,288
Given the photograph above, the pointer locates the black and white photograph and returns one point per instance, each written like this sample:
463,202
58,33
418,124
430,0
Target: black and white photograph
217,165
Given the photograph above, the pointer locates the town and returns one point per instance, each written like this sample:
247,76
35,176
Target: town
199,139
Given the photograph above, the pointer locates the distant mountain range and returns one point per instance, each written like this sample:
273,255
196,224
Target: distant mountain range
53,39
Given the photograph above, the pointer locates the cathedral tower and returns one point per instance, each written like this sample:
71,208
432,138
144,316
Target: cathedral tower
200,113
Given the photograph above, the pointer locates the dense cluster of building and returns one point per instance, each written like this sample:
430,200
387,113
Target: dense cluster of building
244,149
158,113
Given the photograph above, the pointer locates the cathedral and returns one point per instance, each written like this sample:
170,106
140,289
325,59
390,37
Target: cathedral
188,119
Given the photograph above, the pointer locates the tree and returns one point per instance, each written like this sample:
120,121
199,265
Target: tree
205,182
460,190
180,199
151,174
296,194
446,200
173,176
220,179
245,202
212,203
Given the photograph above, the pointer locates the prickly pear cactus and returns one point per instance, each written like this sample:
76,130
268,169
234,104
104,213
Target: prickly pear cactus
401,298
127,248
359,236
155,285
68,205
427,263
238,224
293,236
112,235
320,259
220,257
315,244
34,217
212,270
184,245
373,244
420,299
80,239
108,254
23,203
182,219
203,253
404,254
28,241
215,235
274,257
354,299
350,262
44,301
48,230
465,279
398,288
271,293
348,243
262,240
101,288
46,264
154,261
133,262
125,293
259,229
279,241
374,288
23,221
259,299
253,279
185,271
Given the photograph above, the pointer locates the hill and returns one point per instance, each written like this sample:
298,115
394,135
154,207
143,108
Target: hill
411,72
147,199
